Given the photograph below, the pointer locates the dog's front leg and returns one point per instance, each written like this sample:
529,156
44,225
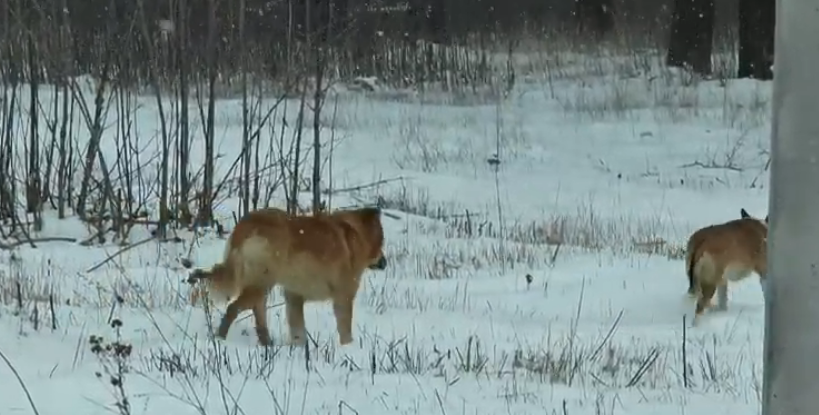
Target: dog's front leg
260,315
343,309
294,309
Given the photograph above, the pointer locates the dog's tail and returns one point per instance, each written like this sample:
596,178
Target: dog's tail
198,275
219,280
197,280
692,256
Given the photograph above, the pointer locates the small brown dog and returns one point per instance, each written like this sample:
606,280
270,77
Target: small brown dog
313,258
725,252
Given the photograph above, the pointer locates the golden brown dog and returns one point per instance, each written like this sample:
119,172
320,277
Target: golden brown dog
729,251
313,258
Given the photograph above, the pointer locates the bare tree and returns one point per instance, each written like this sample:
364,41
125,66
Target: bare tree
11,76
181,31
95,121
692,35
153,70
206,197
33,200
756,38
595,17
246,113
316,47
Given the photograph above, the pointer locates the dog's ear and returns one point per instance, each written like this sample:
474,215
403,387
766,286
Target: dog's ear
744,214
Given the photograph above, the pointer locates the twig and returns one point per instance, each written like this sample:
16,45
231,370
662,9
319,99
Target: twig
574,325
390,215
360,187
644,367
12,245
758,175
20,382
606,339
712,165
553,258
686,382
270,307
119,252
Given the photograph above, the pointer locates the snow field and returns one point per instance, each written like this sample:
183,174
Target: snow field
607,164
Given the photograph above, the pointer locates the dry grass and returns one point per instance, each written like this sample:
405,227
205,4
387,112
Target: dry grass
556,362
441,240
527,242
518,371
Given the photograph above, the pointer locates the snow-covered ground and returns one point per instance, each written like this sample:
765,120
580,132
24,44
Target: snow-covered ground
603,174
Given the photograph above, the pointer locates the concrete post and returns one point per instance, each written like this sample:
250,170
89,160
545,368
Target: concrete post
791,357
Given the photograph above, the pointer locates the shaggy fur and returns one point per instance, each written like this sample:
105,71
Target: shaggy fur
729,251
313,258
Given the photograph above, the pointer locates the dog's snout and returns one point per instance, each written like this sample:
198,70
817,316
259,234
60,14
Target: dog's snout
381,264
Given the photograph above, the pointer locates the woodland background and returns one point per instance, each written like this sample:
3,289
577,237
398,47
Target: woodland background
191,53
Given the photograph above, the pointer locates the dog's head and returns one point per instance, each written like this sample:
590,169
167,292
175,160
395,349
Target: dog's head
367,222
371,218
758,226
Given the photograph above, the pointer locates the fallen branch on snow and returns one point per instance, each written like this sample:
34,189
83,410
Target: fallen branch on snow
11,245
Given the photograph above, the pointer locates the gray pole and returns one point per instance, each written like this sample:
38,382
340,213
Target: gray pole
791,357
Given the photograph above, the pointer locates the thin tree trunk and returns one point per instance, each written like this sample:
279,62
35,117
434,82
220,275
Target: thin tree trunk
595,17
205,215
183,141
756,38
692,35
246,113
33,174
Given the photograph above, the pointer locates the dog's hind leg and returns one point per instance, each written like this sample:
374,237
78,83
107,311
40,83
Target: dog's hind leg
692,287
722,297
704,301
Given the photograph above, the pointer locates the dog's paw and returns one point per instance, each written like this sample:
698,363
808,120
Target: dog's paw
297,341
